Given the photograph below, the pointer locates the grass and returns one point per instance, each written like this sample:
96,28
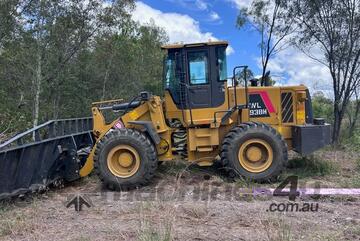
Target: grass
352,182
277,229
159,229
243,182
334,236
149,232
4,207
172,168
196,212
311,166
12,224
82,238
12,220
354,231
355,181
357,164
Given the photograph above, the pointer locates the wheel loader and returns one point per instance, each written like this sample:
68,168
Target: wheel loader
204,117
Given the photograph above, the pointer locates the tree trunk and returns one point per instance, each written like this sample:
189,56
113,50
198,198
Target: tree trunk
37,87
354,119
104,84
106,77
56,106
338,118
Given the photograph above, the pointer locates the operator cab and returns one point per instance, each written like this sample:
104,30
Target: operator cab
195,74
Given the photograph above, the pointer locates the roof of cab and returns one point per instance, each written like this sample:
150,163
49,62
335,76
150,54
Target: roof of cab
181,45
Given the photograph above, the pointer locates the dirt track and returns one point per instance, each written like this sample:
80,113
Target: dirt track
194,216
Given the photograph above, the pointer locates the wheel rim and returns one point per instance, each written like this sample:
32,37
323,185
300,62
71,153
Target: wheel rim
123,161
255,155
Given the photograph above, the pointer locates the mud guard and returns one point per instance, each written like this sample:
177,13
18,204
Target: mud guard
149,128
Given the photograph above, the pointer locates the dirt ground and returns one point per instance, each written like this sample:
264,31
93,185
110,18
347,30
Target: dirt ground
192,204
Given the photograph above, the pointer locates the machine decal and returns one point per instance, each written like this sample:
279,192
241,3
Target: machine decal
260,104
134,115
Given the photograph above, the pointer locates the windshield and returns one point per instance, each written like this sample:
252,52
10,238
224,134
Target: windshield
198,67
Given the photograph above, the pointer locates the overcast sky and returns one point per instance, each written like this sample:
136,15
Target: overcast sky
200,20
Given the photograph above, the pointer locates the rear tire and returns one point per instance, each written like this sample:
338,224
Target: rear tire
255,151
125,159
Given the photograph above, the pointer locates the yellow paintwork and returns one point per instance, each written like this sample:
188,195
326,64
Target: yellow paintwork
205,137
100,128
255,155
123,161
206,116
152,111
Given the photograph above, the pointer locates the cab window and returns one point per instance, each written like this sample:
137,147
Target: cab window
198,67
171,80
221,63
169,70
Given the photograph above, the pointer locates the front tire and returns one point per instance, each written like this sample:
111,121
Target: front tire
125,159
255,151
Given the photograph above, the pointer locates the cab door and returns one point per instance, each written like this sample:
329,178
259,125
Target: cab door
198,78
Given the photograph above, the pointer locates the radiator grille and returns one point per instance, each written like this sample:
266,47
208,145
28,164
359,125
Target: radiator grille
287,111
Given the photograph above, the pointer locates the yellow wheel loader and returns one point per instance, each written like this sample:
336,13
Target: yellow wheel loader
203,117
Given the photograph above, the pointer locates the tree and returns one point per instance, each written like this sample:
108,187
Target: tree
57,57
353,111
322,106
271,19
240,76
332,27
51,34
8,12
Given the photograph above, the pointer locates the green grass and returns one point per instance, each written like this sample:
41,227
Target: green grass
5,207
352,182
11,224
243,182
357,164
284,232
172,168
311,166
353,143
12,220
277,229
354,231
148,232
179,169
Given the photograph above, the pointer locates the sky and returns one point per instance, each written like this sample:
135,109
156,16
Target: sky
191,21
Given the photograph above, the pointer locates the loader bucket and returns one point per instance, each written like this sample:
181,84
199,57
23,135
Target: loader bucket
36,158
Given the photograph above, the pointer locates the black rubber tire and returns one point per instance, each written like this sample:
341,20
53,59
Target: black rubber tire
145,149
252,130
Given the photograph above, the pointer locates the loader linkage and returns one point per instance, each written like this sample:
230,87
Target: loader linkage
38,157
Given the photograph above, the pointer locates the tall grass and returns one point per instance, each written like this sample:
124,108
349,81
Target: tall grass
311,166
149,232
277,229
